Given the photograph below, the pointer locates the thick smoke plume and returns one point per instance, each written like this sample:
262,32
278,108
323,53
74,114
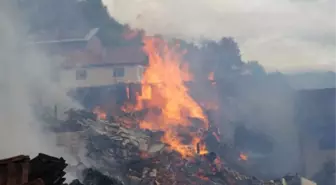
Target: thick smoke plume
24,80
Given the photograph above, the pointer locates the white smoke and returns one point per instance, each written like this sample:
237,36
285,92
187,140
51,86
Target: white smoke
280,34
24,78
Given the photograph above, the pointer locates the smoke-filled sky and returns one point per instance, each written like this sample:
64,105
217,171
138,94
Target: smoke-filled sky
24,79
285,35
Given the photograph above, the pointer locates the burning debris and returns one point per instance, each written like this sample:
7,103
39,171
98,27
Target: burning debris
166,96
41,170
165,138
156,170
139,157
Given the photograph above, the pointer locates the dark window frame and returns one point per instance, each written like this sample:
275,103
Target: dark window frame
118,72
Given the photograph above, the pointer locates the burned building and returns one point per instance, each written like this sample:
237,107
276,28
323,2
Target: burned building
115,79
315,118
121,65
92,73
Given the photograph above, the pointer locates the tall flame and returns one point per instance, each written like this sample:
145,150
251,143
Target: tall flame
163,88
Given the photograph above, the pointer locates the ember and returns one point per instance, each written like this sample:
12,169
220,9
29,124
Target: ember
211,76
100,113
243,157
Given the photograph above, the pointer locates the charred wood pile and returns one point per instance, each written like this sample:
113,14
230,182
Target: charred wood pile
94,177
46,170
138,157
41,170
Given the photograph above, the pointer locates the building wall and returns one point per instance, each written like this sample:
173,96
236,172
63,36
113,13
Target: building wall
313,157
100,76
315,118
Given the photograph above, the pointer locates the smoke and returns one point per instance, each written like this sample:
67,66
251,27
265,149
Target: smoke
278,33
269,31
25,78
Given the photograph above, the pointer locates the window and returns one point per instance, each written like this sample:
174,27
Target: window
118,72
81,74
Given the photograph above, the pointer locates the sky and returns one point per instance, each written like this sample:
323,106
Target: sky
283,35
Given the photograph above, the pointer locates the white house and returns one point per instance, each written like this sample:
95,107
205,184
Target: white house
123,65
99,75
94,74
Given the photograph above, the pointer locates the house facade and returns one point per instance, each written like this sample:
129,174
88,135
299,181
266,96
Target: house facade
124,65
100,75
96,75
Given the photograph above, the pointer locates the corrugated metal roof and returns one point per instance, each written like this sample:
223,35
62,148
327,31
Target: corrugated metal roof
83,38
126,55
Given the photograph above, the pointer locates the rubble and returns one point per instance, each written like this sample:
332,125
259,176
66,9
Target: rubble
92,176
41,170
139,157
46,170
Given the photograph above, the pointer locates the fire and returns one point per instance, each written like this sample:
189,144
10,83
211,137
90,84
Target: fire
100,113
128,93
243,157
201,148
211,76
163,89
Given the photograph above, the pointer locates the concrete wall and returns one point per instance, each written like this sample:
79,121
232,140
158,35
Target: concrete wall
100,76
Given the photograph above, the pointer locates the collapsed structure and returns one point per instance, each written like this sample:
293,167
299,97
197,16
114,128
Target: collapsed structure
41,170
163,137
139,157
45,170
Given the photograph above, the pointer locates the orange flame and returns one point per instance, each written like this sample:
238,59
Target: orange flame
163,88
100,113
243,157
211,76
202,148
128,93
